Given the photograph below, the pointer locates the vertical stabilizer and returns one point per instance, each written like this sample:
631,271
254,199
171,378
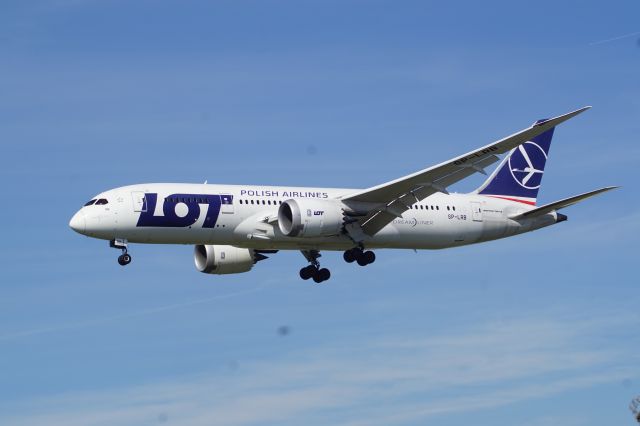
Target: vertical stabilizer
519,175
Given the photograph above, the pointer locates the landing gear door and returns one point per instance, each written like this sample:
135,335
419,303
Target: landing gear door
139,201
476,211
226,203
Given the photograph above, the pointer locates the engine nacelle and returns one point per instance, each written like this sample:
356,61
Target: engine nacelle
310,217
220,259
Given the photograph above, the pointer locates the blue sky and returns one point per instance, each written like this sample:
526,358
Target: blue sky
536,330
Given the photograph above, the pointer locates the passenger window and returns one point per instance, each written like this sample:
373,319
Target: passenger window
454,208
90,202
437,207
251,201
263,202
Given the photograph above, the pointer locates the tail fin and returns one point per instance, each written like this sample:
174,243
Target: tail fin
519,175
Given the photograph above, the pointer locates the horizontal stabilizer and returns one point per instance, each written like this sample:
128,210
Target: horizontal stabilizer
548,208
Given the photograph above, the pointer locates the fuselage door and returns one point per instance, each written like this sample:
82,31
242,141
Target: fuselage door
139,202
226,203
476,211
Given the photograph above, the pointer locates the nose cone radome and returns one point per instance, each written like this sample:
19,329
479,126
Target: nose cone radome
78,223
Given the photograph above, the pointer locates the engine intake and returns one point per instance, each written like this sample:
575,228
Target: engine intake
310,218
221,259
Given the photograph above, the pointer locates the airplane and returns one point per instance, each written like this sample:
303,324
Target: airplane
235,226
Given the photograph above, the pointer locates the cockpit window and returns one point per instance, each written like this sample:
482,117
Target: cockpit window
101,202
90,202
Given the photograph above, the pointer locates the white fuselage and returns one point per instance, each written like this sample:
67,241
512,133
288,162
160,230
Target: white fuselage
247,218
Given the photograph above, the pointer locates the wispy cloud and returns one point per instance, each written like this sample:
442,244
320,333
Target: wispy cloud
143,312
353,383
608,40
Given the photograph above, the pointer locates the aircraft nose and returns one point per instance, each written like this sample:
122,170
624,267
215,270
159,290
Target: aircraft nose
78,223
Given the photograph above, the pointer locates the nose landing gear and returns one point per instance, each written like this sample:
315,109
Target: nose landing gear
125,258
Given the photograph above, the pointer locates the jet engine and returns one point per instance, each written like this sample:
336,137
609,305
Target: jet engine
310,218
221,259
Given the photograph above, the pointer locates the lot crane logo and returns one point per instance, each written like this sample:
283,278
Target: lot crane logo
526,164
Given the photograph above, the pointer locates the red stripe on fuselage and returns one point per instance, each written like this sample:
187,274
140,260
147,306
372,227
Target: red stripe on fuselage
531,203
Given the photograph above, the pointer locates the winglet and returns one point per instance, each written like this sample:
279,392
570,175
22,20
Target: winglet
561,118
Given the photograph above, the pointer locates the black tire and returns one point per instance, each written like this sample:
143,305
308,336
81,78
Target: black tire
349,256
369,256
317,278
307,272
124,259
324,274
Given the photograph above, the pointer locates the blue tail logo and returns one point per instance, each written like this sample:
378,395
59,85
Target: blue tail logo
519,176
527,164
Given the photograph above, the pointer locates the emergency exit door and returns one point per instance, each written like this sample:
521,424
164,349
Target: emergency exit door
476,211
139,202
226,203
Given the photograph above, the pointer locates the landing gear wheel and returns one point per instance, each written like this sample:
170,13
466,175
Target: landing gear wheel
366,258
321,275
349,256
308,272
124,259
369,256
313,270
121,244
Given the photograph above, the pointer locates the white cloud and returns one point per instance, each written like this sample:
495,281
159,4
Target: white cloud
386,381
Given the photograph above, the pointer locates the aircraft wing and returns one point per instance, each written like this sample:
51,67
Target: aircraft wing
395,197
547,208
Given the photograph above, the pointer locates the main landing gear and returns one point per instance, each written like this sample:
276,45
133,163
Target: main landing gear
314,271
318,274
125,258
356,254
